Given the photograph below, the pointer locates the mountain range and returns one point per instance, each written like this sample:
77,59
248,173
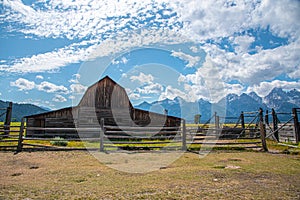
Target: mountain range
231,106
21,110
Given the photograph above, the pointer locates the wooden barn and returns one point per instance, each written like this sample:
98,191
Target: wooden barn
103,100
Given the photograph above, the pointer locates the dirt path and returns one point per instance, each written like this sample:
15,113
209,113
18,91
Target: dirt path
78,175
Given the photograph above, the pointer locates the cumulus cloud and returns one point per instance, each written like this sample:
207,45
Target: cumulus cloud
49,61
254,68
123,60
264,88
207,83
194,49
78,88
59,98
214,19
191,60
106,27
23,84
75,78
134,96
151,88
242,43
51,88
142,78
171,93
39,77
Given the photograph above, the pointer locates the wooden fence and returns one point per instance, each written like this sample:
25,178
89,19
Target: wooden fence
112,138
109,138
5,127
288,131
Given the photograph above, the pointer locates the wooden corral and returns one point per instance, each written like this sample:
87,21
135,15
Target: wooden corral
104,99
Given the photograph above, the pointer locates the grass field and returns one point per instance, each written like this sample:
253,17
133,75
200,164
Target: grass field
220,175
78,175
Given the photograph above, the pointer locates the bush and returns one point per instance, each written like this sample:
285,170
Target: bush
57,141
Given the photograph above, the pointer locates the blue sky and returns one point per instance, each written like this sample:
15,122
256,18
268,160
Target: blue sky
51,51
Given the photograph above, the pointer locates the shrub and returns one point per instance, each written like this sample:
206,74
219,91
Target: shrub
57,141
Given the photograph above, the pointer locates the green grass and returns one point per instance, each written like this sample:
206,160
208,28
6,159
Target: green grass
273,146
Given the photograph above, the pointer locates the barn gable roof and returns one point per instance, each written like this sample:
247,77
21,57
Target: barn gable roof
103,87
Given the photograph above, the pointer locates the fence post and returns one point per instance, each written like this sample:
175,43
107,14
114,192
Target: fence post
243,133
8,119
275,124
20,140
183,135
217,121
267,117
102,134
262,130
296,125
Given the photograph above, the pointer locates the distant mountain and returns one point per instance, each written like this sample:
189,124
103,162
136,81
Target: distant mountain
257,98
278,99
179,108
236,104
282,101
21,110
144,106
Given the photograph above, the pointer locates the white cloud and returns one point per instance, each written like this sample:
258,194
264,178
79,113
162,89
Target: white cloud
39,77
104,28
191,60
194,49
216,19
23,84
124,60
51,88
255,68
78,88
151,88
172,93
134,96
243,43
81,19
207,83
49,61
75,78
264,88
142,78
59,98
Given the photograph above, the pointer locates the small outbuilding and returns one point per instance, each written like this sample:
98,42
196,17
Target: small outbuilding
105,100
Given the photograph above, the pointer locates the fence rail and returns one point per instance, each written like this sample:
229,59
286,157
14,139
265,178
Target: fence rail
251,135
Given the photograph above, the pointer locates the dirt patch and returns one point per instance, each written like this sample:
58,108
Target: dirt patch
78,175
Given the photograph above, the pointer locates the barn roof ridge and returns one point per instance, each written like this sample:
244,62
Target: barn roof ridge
102,79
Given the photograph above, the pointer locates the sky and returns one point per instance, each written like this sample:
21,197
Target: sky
52,51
